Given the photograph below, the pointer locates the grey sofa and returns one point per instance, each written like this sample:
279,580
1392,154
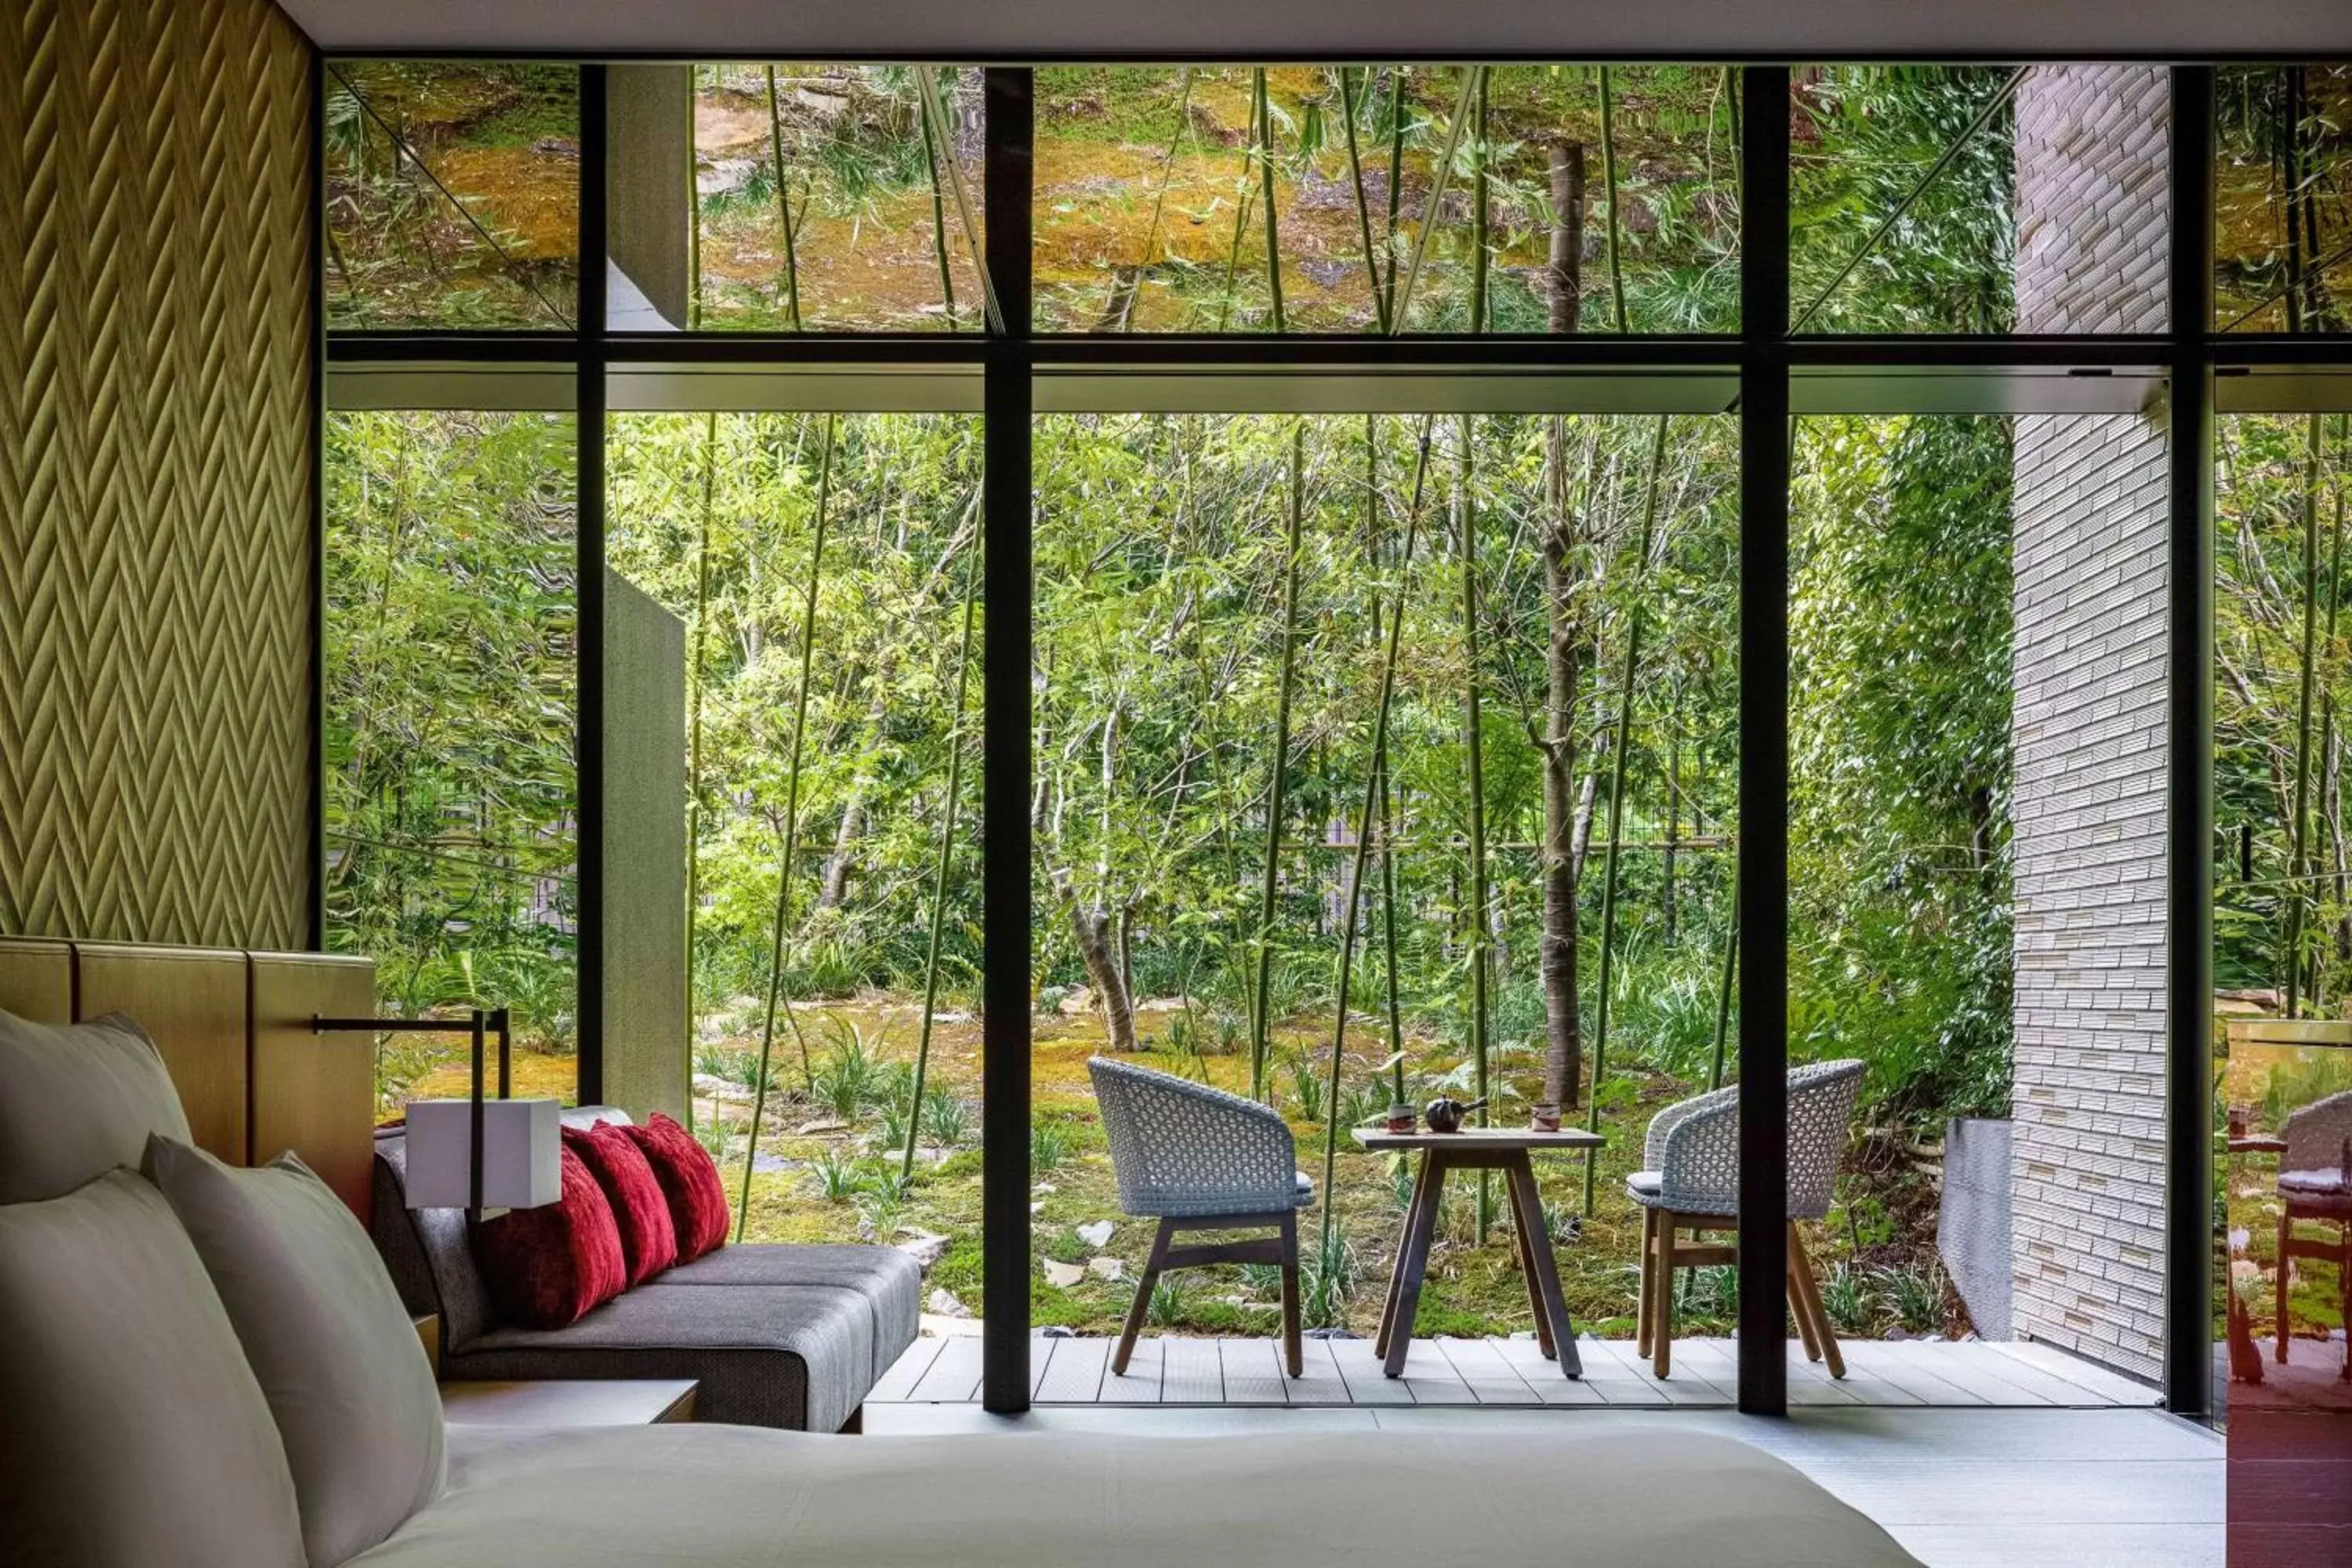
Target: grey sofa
788,1336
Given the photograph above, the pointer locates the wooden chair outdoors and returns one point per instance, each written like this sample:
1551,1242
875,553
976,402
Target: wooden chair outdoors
1692,1184
2315,1184
1198,1159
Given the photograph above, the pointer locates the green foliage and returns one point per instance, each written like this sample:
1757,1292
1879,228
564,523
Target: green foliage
1051,1141
839,1176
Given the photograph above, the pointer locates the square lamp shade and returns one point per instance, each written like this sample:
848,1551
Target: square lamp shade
522,1146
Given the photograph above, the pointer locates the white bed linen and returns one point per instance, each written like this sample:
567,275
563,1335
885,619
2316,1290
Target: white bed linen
1612,1492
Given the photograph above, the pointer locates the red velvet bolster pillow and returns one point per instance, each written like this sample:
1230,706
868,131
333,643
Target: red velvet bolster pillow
648,1241
546,1266
689,1180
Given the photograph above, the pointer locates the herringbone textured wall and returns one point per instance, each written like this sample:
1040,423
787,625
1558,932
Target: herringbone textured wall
156,463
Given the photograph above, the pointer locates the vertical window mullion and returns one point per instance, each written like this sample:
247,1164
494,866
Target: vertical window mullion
1763,848
1004,750
2189,915
588,635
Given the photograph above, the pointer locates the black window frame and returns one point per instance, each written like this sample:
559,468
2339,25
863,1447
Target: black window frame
1766,357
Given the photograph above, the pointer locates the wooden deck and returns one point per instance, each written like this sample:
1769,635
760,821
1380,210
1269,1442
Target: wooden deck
1180,1370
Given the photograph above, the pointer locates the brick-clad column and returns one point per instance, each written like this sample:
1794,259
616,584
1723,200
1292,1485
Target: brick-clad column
2088,728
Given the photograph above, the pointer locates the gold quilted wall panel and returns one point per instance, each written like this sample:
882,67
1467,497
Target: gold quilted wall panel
155,462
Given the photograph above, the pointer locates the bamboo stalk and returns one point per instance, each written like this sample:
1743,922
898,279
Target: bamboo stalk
1622,742
1265,179
1160,199
694,723
1400,311
792,829
2300,826
940,876
1608,190
1261,1024
1478,216
1363,206
1373,782
1474,763
931,152
932,98
1399,114
783,207
1723,990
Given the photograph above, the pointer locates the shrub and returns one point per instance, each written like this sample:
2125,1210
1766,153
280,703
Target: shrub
1049,1145
946,1119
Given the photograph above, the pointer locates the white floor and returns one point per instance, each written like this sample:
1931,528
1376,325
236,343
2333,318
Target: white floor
1958,1488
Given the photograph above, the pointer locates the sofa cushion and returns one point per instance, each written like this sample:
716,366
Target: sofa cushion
766,1355
689,1179
327,1336
546,1265
426,1250
76,1101
648,1241
132,1429
891,1281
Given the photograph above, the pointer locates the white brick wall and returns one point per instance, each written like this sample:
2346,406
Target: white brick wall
2087,723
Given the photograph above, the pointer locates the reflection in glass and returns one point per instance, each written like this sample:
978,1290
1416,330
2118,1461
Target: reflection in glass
2283,161
1416,198
452,195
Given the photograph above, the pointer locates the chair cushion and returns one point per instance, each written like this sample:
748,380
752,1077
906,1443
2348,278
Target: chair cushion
1643,1186
546,1265
132,1431
76,1101
327,1336
648,1241
689,1180
766,1355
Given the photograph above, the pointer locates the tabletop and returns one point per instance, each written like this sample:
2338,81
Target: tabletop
1376,1138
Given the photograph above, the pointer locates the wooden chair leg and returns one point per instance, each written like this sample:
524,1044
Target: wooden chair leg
1294,1354
2285,1262
1810,1288
1798,1311
1662,1302
1142,1303
1641,1307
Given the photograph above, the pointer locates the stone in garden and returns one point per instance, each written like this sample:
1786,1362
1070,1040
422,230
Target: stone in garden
822,1124
1044,1187
922,1246
1081,998
943,1303
1107,1268
1036,1209
1060,1275
1096,1235
1332,1334
1058,1331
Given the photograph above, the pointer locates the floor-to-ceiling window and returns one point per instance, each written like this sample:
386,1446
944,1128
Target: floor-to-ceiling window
1377,715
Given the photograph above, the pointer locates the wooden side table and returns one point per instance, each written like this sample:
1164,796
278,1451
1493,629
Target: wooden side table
610,1402
1477,1149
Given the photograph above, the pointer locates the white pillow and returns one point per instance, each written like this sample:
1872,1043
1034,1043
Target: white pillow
334,1350
131,1430
76,1101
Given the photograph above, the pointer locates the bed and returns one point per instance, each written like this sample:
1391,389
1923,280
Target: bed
133,1430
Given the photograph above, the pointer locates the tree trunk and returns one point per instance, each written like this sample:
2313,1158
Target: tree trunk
1091,926
1561,864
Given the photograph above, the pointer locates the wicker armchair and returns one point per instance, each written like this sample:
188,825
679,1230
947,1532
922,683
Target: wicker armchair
2315,1184
1198,1159
1691,1183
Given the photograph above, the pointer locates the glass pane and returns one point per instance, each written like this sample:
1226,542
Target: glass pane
451,826
2283,249
1151,199
1977,867
1195,667
2283,906
874,223
828,769
452,195
1979,199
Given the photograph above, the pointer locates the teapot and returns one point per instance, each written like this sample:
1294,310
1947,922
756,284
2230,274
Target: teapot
1444,1113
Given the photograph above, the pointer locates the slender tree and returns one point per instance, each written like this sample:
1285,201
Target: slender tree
790,832
1261,1025
1265,150
697,678
939,874
784,237
1473,746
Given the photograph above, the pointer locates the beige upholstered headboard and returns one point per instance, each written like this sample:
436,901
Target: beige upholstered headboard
234,1030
